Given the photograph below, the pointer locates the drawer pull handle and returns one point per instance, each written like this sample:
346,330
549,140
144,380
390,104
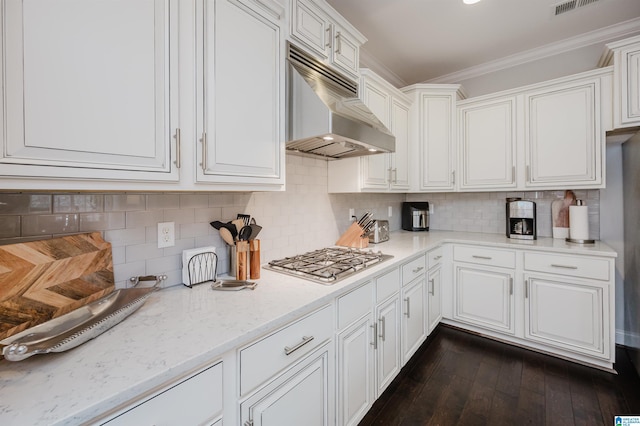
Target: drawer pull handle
418,269
305,340
475,256
437,258
563,266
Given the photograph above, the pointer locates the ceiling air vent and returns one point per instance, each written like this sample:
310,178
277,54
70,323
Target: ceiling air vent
570,6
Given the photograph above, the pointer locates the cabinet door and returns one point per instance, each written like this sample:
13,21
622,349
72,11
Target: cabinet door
563,141
376,168
243,113
388,362
400,158
355,372
199,397
298,397
488,144
414,321
435,141
567,313
311,27
90,89
346,52
434,282
484,298
627,87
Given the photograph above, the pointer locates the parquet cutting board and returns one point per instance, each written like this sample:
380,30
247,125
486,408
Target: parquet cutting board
41,280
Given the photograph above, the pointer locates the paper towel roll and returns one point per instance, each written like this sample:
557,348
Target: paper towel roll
579,222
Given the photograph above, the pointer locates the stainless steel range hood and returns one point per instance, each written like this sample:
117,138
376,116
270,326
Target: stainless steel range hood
326,117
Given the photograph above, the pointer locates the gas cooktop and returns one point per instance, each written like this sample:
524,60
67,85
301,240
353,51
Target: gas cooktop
328,266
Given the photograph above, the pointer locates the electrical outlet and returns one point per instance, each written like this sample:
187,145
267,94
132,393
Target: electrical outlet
166,234
390,211
430,208
352,213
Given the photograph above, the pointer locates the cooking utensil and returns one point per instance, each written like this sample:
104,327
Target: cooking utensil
245,218
228,226
234,285
255,229
81,325
226,236
238,223
245,233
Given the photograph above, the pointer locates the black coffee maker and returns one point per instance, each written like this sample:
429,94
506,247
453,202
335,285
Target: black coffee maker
415,216
521,219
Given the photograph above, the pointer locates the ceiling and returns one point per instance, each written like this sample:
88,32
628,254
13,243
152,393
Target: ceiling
414,41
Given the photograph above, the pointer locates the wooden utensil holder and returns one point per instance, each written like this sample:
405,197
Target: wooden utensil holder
352,237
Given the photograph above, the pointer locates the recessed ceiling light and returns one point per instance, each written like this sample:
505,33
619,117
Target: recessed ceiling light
470,1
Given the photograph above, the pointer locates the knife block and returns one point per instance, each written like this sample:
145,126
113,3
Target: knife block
352,237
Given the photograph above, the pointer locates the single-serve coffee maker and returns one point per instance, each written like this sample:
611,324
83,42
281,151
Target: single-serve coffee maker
521,219
415,216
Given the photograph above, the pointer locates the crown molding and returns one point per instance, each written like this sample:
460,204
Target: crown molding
369,61
602,35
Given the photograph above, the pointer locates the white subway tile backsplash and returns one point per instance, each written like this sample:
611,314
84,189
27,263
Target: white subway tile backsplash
137,219
124,202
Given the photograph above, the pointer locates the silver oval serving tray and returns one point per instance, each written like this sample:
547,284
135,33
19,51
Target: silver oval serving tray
78,326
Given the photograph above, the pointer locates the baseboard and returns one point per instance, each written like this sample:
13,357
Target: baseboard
628,339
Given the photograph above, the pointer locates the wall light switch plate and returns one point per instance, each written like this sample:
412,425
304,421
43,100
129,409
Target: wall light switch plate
166,234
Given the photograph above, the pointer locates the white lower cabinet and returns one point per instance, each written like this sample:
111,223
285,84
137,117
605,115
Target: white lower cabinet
484,297
196,400
355,372
414,323
567,313
387,346
434,307
300,396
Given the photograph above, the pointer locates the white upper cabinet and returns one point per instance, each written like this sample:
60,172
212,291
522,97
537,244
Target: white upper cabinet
625,57
326,34
90,89
242,117
563,137
487,137
548,135
432,138
378,172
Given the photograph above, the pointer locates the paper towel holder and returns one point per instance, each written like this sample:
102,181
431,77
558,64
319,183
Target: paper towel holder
576,240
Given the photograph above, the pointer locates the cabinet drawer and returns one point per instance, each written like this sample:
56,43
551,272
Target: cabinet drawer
575,266
387,284
485,256
266,357
435,257
413,269
354,304
199,398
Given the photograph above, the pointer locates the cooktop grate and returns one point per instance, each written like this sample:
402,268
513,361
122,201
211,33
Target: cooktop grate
328,265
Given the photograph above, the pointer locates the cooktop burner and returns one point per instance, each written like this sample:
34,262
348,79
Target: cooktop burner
329,265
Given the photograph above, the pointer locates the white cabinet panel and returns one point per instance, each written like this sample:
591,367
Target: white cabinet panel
346,52
400,158
414,321
388,360
243,95
484,297
90,85
298,397
488,144
311,27
626,82
199,399
355,372
436,142
568,314
563,138
434,296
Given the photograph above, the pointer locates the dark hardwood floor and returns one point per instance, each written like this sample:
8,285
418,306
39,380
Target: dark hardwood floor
458,378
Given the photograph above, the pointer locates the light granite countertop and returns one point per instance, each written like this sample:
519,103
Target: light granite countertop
179,329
